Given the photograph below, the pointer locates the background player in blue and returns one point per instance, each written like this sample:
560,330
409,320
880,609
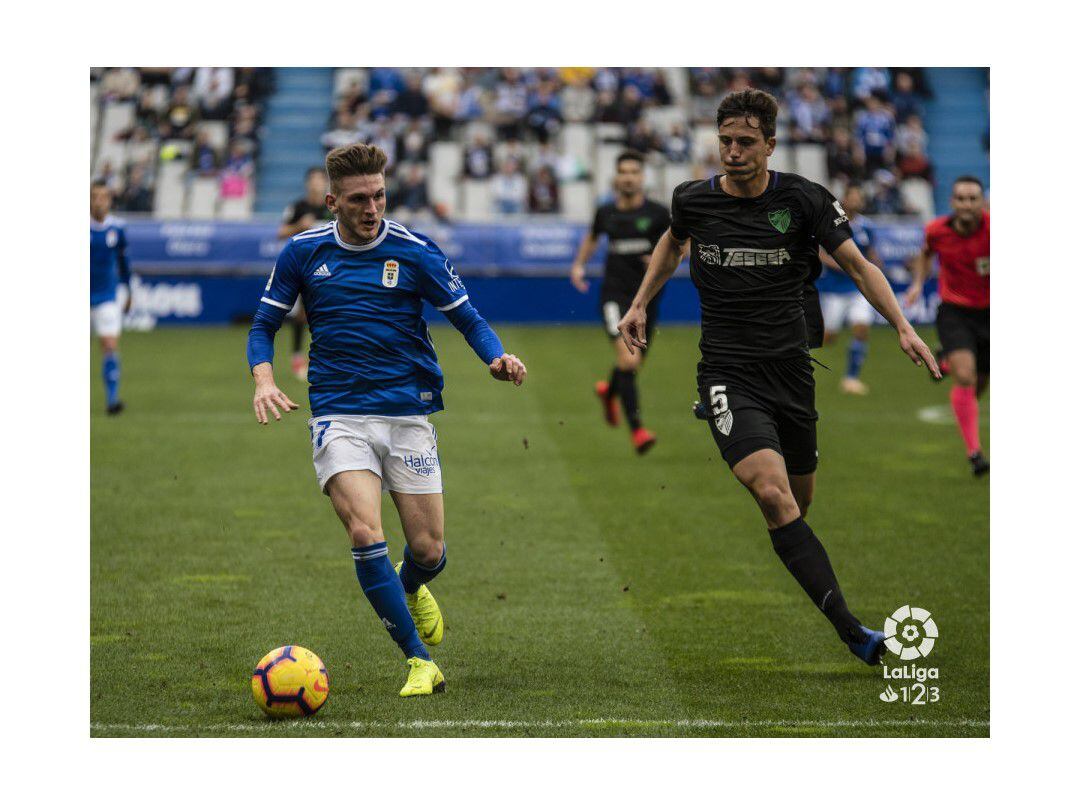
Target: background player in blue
841,302
374,379
108,270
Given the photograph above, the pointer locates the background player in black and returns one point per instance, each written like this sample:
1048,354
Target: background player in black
633,224
301,215
754,237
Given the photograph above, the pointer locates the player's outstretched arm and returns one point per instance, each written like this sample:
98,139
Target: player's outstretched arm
873,285
268,397
485,343
665,259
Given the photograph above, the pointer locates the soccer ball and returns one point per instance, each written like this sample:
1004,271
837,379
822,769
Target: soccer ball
290,681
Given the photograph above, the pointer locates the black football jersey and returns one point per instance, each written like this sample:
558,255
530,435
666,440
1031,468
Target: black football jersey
752,260
632,235
301,207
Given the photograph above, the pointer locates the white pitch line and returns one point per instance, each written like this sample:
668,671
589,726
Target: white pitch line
692,724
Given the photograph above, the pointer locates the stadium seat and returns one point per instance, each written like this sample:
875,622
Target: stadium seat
576,139
811,162
202,197
478,203
446,159
111,152
169,194
577,201
662,118
605,166
919,195
674,175
116,118
236,209
703,141
782,159
445,192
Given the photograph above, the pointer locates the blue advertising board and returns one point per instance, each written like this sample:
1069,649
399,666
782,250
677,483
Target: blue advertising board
212,272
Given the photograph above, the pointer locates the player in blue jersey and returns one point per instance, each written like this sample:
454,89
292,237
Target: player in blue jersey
841,302
108,270
374,380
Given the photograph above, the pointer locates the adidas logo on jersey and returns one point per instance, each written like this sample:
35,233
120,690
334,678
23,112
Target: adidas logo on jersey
322,271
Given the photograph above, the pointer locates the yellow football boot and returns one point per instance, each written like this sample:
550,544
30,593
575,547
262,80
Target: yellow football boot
425,613
424,679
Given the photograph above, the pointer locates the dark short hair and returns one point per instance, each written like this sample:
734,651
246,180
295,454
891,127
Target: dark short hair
969,178
750,103
99,183
631,155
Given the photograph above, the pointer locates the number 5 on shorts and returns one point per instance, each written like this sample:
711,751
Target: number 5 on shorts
718,401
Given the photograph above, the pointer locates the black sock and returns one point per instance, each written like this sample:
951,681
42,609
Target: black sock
805,558
627,390
613,383
297,337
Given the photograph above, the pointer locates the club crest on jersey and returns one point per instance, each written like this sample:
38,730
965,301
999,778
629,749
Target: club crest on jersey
709,254
111,238
390,273
780,219
642,224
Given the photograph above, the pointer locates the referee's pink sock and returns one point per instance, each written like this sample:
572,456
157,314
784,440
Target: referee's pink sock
966,408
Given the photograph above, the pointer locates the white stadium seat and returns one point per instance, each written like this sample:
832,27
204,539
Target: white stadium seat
577,201
703,141
576,139
445,191
674,175
446,160
919,195
169,194
782,159
811,162
479,201
236,209
202,197
605,166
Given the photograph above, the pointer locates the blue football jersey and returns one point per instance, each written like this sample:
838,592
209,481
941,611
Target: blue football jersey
837,281
371,352
108,261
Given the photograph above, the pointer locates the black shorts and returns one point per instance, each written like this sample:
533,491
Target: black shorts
613,306
770,404
966,328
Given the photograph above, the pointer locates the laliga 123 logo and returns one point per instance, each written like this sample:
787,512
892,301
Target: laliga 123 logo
910,633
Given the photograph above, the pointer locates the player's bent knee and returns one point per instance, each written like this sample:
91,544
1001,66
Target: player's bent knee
427,547
361,534
775,501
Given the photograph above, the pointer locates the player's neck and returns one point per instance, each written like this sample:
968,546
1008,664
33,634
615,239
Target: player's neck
100,220
629,202
752,187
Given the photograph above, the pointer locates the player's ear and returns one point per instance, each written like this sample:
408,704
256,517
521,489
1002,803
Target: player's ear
331,200
770,146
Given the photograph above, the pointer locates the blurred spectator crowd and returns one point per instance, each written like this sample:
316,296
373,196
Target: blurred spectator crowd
476,143
179,141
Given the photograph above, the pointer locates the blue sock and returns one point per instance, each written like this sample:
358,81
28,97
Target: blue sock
413,574
383,589
856,354
110,372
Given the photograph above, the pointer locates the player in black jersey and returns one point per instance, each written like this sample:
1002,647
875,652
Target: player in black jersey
304,213
754,237
633,224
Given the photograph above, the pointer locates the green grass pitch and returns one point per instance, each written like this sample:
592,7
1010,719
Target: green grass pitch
589,592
